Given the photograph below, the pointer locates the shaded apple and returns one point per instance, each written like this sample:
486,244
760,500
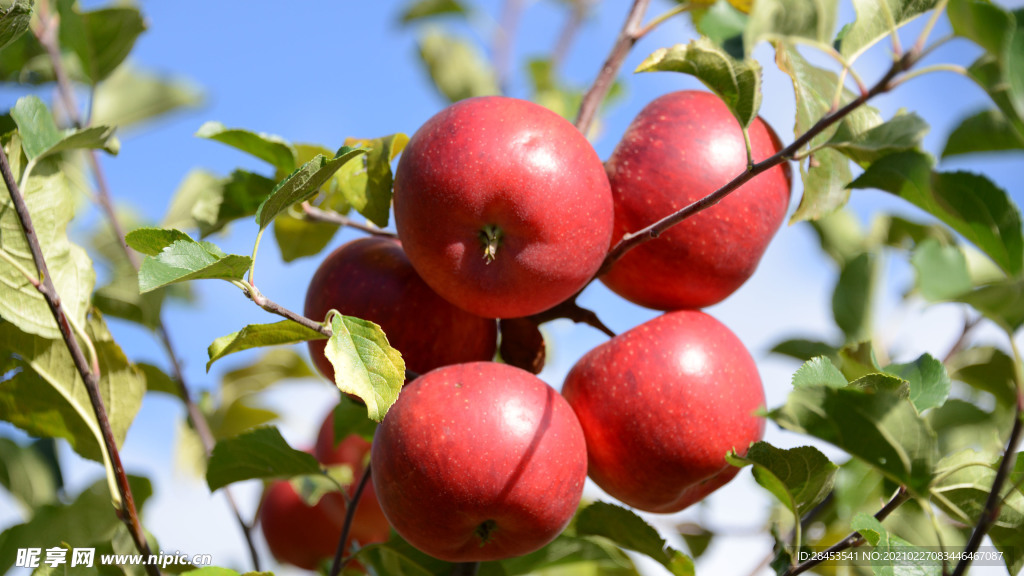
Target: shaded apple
371,278
369,524
296,533
680,148
661,405
503,206
479,461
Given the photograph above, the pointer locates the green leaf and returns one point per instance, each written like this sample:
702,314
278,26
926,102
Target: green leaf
367,186
989,72
819,371
267,147
232,198
877,19
814,20
101,39
986,131
569,553
14,21
131,96
27,475
40,136
799,477
259,454
421,9
969,203
853,296
961,425
986,368
51,205
815,88
736,82
273,366
941,270
365,365
182,259
350,418
396,557
804,350
238,417
626,529
896,548
87,521
880,426
903,132
858,360
929,382
43,394
697,538
962,494
159,381
1001,302
456,67
723,24
297,238
258,335
302,184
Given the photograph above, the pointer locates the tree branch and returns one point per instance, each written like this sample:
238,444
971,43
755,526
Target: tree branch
634,239
127,513
854,539
630,33
573,311
315,214
47,36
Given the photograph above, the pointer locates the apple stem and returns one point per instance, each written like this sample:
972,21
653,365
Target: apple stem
490,236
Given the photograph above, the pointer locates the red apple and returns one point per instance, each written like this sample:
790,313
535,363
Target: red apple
371,278
503,206
369,524
296,533
479,461
661,405
680,148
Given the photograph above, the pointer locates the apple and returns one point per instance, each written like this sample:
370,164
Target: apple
371,278
368,524
297,533
662,404
479,461
503,206
680,148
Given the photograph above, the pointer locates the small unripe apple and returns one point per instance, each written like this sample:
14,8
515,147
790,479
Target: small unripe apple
368,524
680,148
479,461
372,279
662,404
503,206
297,533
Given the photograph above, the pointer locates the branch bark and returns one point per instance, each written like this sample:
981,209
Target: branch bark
127,513
337,565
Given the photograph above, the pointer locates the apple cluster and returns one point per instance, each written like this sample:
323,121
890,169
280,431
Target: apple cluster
504,210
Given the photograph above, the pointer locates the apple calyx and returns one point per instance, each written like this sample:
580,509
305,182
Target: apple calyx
490,237
485,530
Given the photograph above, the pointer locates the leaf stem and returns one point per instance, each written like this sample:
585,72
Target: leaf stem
631,29
656,21
337,565
127,511
955,68
854,539
30,277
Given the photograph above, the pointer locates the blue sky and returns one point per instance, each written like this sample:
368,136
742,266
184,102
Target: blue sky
320,71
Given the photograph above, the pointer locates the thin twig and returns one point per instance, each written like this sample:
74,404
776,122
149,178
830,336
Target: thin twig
627,38
573,311
315,214
465,569
47,36
854,539
337,565
504,39
568,34
127,512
